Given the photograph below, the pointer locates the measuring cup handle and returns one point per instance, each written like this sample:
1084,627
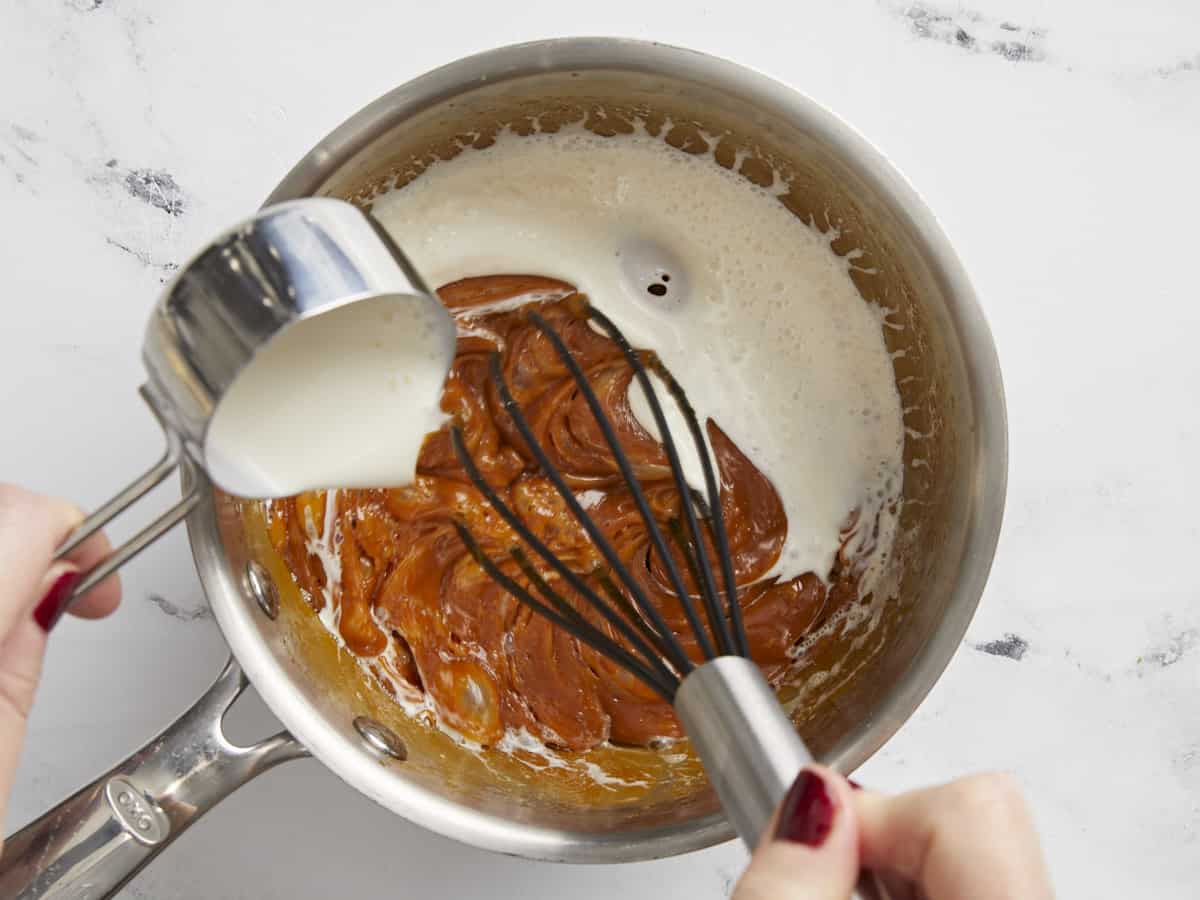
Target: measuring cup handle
137,489
92,843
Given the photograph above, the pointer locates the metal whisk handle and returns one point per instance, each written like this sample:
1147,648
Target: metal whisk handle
748,745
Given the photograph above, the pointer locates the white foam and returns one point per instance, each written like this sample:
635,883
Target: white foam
760,321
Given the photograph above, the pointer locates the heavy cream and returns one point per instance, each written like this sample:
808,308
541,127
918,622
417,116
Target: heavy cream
344,399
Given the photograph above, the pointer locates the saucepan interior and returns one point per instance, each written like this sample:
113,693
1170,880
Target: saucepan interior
855,687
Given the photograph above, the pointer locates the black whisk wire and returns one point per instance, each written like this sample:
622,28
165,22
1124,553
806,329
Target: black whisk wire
666,637
727,641
649,647
564,616
658,658
716,518
657,538
665,682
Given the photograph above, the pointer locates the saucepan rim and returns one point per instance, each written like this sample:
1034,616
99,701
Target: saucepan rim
354,763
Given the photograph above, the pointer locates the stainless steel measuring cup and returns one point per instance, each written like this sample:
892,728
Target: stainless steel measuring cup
289,263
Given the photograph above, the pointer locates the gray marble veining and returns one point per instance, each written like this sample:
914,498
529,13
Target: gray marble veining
1056,141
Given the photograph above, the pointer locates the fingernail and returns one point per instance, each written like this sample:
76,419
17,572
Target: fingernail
854,784
807,813
54,604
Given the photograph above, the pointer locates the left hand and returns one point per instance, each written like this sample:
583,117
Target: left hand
34,592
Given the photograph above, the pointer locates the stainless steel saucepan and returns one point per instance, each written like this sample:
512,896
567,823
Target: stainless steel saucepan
852,690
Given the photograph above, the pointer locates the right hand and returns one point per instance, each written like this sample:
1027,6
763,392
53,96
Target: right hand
971,839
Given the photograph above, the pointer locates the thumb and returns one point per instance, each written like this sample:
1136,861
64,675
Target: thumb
810,850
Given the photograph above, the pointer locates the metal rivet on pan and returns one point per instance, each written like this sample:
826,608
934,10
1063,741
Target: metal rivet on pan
380,738
262,588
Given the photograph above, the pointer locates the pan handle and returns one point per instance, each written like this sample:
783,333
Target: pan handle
93,842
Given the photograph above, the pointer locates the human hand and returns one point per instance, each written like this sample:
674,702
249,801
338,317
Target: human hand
972,839
34,590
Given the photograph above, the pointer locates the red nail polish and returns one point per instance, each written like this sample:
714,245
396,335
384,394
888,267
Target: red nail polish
854,784
54,604
807,813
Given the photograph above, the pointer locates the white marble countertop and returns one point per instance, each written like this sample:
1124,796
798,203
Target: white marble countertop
1058,143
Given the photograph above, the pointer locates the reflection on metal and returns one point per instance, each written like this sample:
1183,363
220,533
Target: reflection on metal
380,738
262,588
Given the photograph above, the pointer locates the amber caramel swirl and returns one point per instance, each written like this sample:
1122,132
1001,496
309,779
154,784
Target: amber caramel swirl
487,663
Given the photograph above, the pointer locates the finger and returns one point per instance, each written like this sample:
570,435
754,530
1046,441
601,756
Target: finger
811,850
971,838
31,529
101,600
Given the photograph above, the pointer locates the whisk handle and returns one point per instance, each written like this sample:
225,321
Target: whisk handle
748,745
